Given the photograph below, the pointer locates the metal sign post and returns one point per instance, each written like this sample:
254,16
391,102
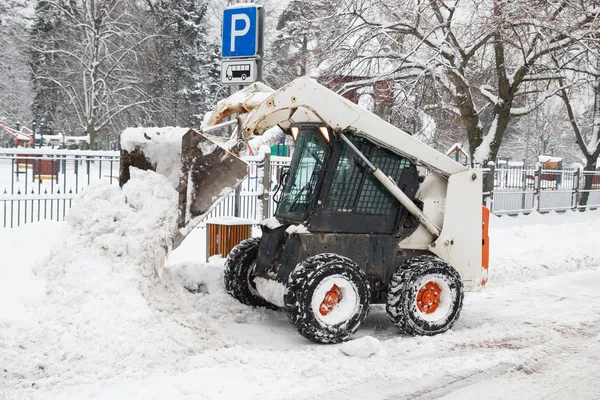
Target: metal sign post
242,44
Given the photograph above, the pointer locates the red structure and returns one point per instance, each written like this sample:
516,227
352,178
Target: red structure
45,167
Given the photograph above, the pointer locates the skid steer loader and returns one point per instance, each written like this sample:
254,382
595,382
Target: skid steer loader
366,214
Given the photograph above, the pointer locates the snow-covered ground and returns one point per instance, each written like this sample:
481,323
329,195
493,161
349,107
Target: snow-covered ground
87,310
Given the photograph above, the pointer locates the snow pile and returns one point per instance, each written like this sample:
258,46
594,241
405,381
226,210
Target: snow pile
199,278
533,246
135,222
363,347
162,146
109,310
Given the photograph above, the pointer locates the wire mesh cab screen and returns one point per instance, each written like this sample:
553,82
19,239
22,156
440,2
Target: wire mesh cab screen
353,200
355,189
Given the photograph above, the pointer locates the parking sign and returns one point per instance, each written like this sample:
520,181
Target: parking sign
241,31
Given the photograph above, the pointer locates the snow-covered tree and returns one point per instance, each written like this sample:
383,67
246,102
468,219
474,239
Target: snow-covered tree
582,103
189,57
15,84
48,99
93,61
299,28
448,44
544,131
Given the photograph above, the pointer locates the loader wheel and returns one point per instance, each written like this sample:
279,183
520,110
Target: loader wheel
238,278
327,298
425,296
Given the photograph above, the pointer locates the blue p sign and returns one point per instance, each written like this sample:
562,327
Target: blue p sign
240,32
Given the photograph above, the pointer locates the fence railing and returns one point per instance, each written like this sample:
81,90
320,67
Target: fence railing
37,184
535,189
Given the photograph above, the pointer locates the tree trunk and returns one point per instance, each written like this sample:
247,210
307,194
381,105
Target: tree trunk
590,166
468,115
503,116
91,130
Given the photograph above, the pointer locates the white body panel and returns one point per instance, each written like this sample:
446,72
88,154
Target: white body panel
432,192
460,241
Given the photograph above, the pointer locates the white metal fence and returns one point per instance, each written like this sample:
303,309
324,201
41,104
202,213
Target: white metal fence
38,184
41,184
535,189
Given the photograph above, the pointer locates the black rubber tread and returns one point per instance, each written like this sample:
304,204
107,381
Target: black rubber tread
401,306
236,276
302,283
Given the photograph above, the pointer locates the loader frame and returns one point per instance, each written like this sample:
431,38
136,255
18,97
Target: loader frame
450,195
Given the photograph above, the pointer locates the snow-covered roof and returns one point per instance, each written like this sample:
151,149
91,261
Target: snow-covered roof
549,159
230,221
16,134
456,146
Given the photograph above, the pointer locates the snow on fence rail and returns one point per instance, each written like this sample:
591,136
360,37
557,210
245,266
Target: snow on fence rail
38,184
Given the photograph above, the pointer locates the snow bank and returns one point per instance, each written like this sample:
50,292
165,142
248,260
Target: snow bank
532,246
205,280
108,310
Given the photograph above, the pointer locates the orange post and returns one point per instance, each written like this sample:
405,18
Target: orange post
485,243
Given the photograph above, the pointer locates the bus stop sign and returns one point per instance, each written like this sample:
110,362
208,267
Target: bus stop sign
241,31
238,71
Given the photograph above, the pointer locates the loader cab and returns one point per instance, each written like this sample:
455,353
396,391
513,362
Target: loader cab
329,189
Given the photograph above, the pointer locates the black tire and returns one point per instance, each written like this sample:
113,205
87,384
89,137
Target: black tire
237,276
403,294
316,276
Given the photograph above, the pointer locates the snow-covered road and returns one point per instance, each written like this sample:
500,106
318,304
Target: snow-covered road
86,316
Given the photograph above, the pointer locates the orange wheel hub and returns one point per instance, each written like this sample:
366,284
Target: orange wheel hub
332,298
428,298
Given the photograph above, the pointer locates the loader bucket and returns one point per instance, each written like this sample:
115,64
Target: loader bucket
201,171
208,174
